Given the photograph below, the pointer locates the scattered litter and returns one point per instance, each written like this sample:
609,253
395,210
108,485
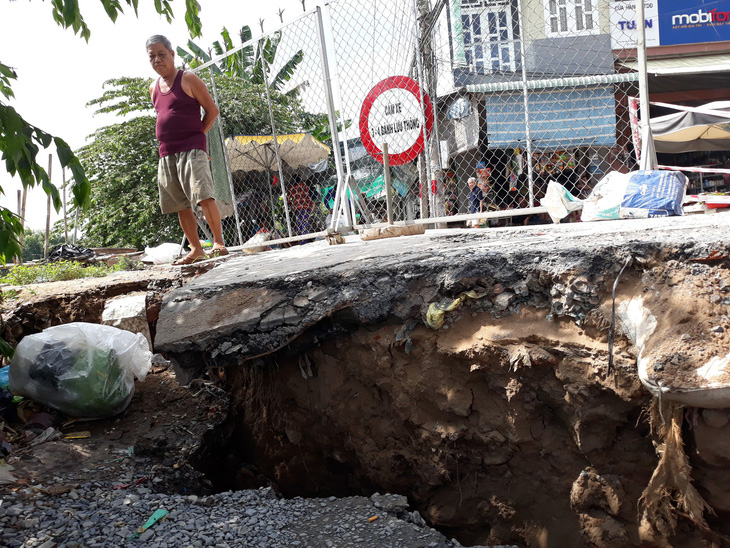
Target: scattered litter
157,516
5,476
162,254
70,252
636,195
77,435
436,311
559,202
126,485
373,518
4,371
49,434
256,243
80,369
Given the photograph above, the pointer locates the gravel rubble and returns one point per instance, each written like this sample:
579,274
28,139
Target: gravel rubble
97,515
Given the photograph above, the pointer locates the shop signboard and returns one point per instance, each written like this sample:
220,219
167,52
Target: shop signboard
623,24
693,21
670,22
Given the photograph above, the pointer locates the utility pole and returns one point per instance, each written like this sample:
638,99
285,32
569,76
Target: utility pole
19,260
65,220
48,209
430,166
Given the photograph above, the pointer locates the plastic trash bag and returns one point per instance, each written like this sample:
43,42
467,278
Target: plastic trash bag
80,369
559,202
162,254
639,194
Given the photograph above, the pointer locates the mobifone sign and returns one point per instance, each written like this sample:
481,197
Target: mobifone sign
670,22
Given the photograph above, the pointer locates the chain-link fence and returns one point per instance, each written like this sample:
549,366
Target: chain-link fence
478,104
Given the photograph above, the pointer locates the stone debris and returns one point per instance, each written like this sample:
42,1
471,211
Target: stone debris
99,515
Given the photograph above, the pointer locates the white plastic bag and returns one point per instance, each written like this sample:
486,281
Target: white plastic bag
559,202
80,369
162,254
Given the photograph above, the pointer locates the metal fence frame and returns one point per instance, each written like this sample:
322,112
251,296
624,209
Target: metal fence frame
347,207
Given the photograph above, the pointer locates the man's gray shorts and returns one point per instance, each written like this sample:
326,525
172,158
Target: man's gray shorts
184,180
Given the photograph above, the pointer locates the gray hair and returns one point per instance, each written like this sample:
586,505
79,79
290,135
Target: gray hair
471,180
158,39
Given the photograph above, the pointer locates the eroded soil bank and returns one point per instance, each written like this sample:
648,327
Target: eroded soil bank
504,425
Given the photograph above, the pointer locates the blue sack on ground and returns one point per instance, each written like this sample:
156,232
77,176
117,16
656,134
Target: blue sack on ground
639,194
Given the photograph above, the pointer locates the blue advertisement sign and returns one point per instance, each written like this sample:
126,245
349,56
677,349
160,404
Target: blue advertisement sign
693,21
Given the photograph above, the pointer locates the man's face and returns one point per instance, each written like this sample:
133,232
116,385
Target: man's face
161,59
471,183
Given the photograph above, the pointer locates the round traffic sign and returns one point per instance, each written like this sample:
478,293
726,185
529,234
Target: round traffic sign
391,113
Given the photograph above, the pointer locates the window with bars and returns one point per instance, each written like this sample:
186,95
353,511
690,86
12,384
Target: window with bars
489,44
570,17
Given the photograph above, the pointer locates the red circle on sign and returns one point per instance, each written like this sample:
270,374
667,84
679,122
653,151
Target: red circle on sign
394,82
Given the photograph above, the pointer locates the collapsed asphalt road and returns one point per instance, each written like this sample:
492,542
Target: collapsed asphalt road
467,370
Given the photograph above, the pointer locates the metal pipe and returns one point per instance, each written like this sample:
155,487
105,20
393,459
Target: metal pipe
276,141
648,155
226,161
332,114
526,103
386,175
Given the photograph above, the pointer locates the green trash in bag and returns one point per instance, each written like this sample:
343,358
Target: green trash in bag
80,369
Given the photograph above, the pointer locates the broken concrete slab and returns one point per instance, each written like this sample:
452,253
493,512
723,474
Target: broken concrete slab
264,301
480,421
128,312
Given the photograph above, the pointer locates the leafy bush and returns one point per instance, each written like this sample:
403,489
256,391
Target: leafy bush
62,271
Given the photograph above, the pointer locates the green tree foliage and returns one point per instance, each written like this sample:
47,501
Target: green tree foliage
251,62
34,244
20,142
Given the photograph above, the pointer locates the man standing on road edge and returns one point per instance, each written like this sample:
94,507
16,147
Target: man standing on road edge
183,175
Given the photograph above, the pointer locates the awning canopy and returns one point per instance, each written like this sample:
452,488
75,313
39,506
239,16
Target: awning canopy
693,129
684,65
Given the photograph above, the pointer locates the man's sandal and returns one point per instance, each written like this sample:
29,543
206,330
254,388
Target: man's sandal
217,252
188,259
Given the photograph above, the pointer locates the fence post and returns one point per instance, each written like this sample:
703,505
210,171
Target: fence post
386,176
340,191
276,140
526,103
225,159
648,154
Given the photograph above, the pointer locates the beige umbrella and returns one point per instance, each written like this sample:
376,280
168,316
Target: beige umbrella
257,153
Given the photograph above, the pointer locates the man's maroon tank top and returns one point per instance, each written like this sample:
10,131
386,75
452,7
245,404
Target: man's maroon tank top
179,123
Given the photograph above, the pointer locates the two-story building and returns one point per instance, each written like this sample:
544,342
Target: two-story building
553,78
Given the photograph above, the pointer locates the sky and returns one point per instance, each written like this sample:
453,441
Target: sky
58,72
